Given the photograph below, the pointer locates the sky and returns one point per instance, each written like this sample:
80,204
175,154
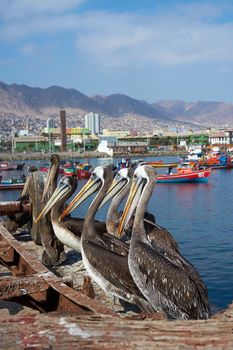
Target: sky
151,50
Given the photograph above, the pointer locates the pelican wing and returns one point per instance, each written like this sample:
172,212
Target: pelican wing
112,266
74,225
113,243
164,272
178,260
156,232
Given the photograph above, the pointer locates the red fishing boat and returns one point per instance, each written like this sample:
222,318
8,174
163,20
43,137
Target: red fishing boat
8,166
81,171
45,168
186,175
217,162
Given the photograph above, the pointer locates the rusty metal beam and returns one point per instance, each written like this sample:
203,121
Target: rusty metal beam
12,287
58,296
14,207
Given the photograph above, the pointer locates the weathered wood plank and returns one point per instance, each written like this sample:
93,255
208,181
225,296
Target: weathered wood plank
95,332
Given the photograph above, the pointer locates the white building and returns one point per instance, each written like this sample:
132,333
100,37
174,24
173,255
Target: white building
219,138
23,132
50,123
92,122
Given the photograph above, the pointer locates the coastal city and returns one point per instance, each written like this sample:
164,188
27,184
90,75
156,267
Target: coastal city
29,135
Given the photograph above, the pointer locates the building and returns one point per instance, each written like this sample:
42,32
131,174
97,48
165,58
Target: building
219,138
31,143
23,132
70,132
50,123
116,133
92,122
63,130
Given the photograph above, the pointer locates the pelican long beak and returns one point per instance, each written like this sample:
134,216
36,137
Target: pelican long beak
116,186
131,204
92,186
57,194
47,183
26,186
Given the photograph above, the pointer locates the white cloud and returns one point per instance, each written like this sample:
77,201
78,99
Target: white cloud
42,25
29,49
182,34
11,9
164,39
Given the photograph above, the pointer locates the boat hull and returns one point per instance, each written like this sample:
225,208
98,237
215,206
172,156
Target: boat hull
219,166
18,186
196,176
79,173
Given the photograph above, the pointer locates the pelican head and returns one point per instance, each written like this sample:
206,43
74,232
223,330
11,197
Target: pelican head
142,175
93,185
65,186
120,181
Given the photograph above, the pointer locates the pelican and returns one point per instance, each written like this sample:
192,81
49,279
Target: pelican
53,253
39,191
166,279
118,191
69,231
107,267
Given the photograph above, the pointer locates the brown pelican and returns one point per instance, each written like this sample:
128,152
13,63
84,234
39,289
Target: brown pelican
69,231
74,226
63,229
119,189
166,279
106,267
38,189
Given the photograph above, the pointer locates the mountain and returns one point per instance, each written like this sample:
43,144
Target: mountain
118,109
204,113
118,104
24,100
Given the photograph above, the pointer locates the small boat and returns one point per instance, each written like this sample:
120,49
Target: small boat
216,160
219,162
185,175
81,171
45,168
8,166
12,184
155,164
160,164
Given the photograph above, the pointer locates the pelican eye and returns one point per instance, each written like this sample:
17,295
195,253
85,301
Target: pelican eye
93,176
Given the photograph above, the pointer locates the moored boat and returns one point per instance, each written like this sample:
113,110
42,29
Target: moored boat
216,159
218,162
12,184
160,164
185,176
8,166
45,168
81,171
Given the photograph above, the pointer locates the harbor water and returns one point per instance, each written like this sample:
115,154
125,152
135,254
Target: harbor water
199,216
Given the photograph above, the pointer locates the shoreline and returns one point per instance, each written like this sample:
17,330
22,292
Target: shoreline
83,155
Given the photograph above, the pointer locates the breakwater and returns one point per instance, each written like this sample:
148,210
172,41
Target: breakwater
90,154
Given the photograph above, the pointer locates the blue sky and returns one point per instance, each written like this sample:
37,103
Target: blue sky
148,49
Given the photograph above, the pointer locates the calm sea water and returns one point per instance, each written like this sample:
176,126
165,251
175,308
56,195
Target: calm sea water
199,216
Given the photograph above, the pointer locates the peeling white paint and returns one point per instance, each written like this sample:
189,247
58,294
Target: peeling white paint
74,329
